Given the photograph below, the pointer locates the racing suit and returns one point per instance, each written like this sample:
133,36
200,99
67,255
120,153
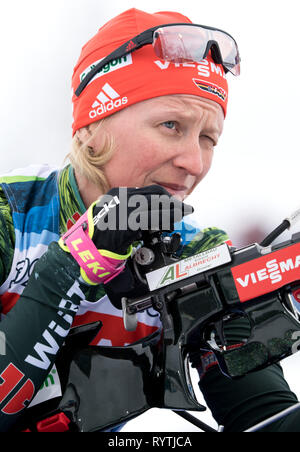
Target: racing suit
37,206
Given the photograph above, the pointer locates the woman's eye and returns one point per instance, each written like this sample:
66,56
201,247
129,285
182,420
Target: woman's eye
208,139
170,124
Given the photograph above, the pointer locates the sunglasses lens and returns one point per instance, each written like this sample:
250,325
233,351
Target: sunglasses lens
183,43
179,44
229,51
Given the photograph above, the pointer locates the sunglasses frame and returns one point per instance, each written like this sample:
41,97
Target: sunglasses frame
146,37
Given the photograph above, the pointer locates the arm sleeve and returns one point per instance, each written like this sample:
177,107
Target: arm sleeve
7,238
34,330
204,240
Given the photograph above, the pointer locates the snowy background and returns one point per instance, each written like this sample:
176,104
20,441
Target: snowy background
253,184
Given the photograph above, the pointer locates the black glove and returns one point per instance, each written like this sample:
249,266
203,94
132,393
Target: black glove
102,238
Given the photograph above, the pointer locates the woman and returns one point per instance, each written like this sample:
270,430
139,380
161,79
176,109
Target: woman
148,119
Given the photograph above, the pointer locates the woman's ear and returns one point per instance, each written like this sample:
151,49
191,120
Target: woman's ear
83,134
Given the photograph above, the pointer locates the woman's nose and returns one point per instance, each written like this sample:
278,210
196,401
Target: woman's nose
192,158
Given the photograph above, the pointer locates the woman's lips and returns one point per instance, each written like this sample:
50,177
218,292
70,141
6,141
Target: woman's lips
175,189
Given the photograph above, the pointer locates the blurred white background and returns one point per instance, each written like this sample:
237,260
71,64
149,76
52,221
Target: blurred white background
253,184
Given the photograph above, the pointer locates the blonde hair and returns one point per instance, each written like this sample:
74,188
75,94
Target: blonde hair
88,161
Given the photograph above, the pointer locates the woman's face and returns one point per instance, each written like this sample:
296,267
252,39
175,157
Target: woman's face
167,140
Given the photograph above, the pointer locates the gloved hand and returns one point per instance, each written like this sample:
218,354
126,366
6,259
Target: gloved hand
101,240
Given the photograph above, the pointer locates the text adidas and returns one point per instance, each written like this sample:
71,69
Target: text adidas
111,105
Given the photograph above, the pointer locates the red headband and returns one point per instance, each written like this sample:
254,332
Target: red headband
140,75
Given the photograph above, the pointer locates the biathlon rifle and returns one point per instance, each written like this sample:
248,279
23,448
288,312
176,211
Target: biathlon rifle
200,297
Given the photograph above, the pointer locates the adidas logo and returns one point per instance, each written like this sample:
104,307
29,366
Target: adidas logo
108,99
130,46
